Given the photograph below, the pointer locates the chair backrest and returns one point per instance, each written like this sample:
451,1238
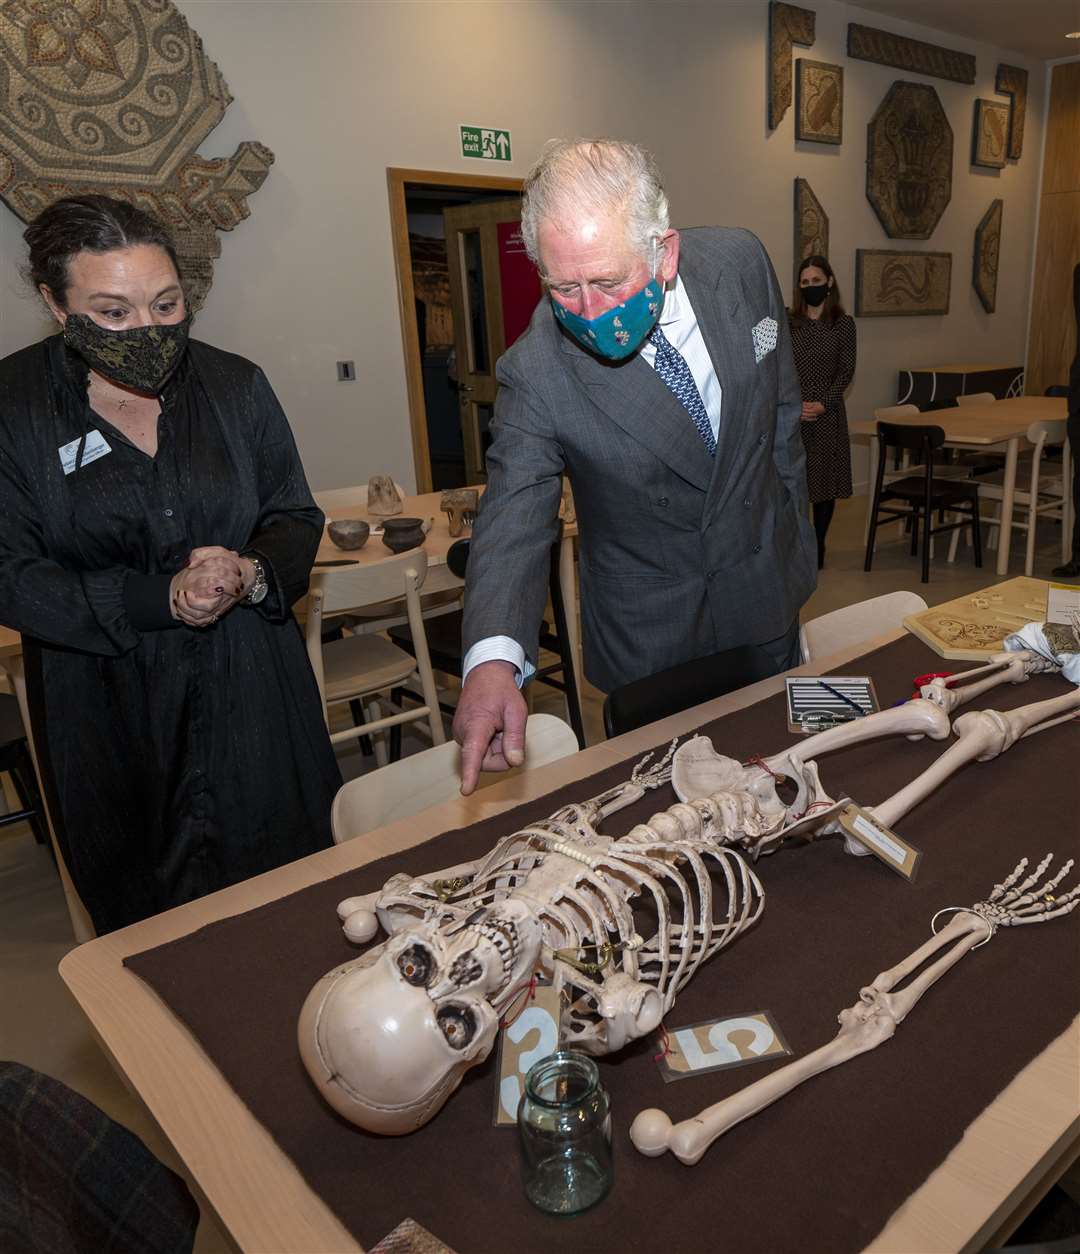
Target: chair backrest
886,413
351,587
975,398
342,498
920,438
424,779
680,687
1049,431
852,624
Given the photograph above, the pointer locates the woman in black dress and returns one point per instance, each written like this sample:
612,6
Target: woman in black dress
823,342
157,527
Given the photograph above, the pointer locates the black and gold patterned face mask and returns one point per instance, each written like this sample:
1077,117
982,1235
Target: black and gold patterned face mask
141,358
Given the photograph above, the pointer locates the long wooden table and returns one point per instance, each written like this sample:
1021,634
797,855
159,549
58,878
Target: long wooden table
440,578
1005,1162
979,426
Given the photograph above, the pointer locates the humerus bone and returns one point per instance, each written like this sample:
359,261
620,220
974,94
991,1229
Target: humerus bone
874,1017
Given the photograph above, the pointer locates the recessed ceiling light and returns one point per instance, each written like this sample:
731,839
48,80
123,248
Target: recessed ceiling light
1073,34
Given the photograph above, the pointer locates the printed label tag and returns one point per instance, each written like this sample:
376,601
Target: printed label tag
716,1044
884,844
95,447
531,1036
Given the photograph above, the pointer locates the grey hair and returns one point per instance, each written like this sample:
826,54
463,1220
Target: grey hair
604,174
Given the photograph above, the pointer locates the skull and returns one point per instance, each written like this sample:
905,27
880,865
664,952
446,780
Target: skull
389,1036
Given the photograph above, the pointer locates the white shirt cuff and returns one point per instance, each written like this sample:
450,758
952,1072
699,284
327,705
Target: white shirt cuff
499,649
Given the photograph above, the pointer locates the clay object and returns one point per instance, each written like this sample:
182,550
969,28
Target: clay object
401,534
383,496
460,505
567,509
349,533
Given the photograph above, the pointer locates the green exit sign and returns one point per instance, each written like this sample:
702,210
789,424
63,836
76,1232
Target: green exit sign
485,143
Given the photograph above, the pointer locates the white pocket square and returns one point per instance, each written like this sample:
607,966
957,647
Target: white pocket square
764,338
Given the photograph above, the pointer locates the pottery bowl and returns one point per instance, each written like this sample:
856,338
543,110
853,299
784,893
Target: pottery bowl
402,534
349,533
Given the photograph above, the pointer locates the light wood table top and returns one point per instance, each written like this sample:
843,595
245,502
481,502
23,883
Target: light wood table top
1007,1158
990,423
962,368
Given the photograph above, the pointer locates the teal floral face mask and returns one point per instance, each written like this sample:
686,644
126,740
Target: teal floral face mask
620,331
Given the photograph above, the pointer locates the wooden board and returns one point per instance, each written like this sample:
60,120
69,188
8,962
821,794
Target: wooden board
971,627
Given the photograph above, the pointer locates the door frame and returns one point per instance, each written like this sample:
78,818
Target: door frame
396,179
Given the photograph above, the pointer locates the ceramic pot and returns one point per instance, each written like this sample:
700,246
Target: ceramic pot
400,534
349,533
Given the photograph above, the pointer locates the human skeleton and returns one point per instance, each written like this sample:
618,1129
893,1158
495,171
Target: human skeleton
618,924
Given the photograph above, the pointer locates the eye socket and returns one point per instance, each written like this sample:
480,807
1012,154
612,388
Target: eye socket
417,966
458,1025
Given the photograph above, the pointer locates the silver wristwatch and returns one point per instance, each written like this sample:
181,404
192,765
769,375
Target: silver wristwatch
257,591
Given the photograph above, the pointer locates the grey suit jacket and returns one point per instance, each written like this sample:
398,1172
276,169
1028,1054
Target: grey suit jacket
681,555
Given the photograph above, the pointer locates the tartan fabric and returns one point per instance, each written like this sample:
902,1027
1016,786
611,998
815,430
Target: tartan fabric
73,1181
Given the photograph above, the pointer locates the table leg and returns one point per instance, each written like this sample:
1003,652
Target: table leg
872,451
1067,502
80,920
568,584
1008,492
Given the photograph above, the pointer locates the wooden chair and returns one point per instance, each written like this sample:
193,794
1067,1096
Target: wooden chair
444,638
853,624
357,667
920,495
978,463
680,687
15,760
1046,495
424,779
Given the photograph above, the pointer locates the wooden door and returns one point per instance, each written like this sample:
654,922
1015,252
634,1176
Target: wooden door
493,288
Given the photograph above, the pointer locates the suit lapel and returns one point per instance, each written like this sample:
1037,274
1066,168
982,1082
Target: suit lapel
636,400
724,321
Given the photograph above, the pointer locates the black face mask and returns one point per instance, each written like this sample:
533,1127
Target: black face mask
815,294
141,358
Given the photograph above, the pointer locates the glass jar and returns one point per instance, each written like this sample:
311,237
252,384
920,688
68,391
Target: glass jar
564,1124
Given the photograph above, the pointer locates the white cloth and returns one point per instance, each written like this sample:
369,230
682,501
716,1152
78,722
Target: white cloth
681,328
1030,636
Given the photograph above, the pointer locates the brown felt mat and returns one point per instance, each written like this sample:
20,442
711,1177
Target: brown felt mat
823,1169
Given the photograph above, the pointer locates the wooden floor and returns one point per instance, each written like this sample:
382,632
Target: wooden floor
39,1024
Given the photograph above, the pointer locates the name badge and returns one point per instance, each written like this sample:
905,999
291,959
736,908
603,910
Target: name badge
95,446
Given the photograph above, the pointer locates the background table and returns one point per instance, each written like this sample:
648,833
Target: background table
935,387
978,426
1006,1160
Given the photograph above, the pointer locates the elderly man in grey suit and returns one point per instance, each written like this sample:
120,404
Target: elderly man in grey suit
660,380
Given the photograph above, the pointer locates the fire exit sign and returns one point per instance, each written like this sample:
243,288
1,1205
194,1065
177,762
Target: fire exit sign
485,143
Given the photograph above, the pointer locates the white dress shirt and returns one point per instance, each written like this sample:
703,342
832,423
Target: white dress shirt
680,326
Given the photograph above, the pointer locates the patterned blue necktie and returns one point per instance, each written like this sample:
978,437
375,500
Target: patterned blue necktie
675,375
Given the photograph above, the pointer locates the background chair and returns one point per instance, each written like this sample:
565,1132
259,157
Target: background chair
680,687
920,495
357,667
855,623
444,638
978,463
1046,495
15,760
73,1181
424,779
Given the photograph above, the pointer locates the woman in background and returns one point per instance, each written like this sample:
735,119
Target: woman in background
157,528
823,343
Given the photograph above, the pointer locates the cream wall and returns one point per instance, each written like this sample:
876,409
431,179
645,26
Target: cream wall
342,89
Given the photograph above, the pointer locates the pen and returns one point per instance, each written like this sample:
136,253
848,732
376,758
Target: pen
837,693
340,561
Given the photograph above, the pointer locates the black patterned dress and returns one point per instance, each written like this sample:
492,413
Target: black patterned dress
825,360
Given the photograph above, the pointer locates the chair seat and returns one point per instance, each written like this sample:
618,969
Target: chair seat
1050,486
360,664
942,491
443,639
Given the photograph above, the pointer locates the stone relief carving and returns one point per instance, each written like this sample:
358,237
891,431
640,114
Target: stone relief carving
909,154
